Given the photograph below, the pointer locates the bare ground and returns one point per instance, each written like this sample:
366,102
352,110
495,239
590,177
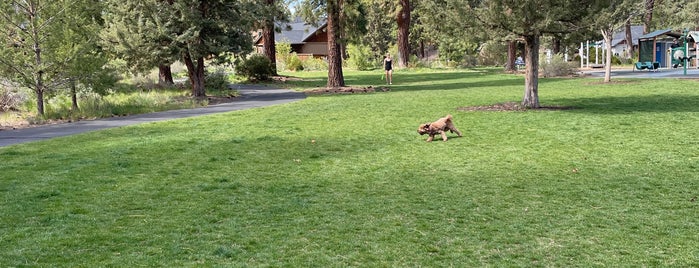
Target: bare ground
511,106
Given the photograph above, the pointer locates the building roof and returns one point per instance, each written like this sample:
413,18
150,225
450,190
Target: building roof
694,35
657,33
296,32
620,36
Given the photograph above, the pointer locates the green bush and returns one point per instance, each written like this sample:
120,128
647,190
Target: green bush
283,53
294,63
314,64
255,68
359,57
492,54
217,80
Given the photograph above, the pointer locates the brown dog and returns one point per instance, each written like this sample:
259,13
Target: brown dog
439,126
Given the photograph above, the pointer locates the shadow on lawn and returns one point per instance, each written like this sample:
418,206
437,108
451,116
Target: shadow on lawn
631,104
440,81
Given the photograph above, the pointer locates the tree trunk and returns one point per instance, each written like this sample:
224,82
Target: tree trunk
335,77
270,50
629,39
511,55
531,78
40,98
650,5
556,45
165,75
403,20
39,74
73,95
196,74
607,35
39,81
422,49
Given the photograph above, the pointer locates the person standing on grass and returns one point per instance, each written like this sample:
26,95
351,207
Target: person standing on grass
388,67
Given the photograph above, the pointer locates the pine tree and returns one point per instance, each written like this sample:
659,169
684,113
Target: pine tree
49,43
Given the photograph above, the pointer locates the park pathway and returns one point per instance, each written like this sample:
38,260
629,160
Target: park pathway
252,96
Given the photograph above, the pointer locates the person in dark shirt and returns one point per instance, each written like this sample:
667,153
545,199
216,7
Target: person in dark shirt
388,67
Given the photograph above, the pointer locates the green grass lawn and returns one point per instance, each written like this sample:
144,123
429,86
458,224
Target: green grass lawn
345,180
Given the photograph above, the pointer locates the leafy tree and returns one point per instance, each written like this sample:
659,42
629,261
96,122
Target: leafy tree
48,43
451,25
679,14
649,7
608,17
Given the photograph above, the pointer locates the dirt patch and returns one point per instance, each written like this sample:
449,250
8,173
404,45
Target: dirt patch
24,123
283,79
511,106
346,90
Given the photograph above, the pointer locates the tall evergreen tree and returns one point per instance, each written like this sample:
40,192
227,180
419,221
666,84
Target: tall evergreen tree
274,16
403,40
531,19
46,43
137,32
332,11
193,31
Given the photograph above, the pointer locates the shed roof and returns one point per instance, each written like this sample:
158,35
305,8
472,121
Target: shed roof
657,33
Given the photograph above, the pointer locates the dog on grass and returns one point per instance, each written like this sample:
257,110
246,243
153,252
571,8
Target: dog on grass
438,127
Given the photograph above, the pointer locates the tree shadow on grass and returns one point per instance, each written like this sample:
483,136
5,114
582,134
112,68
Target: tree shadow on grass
441,80
661,103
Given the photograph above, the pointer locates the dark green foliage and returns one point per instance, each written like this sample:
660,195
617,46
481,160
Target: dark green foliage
255,68
360,57
216,81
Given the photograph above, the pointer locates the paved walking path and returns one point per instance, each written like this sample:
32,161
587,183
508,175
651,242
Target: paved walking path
252,96
692,73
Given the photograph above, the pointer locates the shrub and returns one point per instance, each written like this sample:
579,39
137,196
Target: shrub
359,57
217,80
294,63
314,64
492,54
556,66
416,62
11,99
255,67
283,53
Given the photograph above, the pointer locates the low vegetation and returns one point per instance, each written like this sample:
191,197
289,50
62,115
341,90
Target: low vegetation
345,180
135,95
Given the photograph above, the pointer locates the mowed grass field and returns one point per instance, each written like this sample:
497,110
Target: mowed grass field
346,181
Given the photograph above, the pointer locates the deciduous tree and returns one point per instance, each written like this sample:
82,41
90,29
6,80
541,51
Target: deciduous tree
608,16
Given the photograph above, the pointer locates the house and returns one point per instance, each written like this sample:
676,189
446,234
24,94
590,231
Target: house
619,45
305,39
